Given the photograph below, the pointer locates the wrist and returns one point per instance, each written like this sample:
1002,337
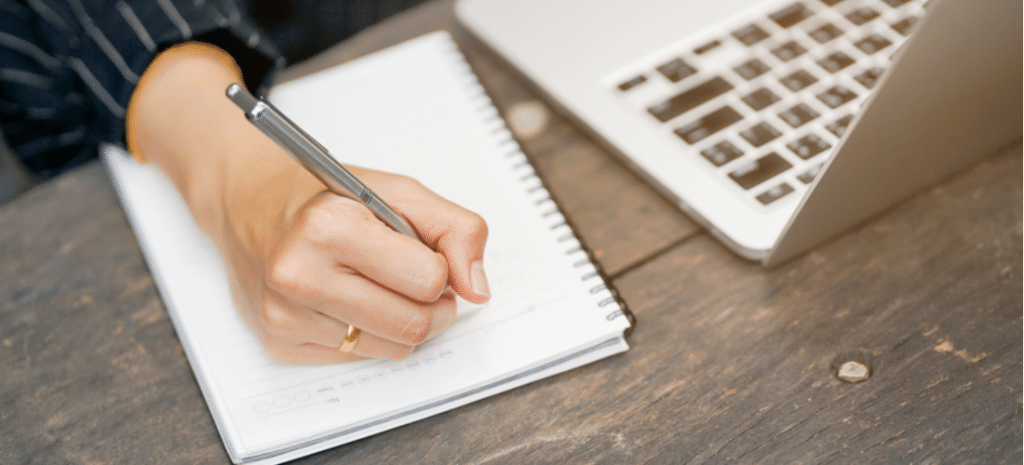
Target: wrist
179,119
166,80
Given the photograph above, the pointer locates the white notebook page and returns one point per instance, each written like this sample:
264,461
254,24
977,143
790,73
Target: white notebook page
417,110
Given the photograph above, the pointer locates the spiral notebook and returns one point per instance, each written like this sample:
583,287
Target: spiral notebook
415,109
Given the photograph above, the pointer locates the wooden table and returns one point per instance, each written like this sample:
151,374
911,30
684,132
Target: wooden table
730,362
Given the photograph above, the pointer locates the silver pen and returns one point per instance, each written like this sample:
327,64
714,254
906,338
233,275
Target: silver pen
308,152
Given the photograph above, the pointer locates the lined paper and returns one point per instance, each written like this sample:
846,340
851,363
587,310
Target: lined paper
415,109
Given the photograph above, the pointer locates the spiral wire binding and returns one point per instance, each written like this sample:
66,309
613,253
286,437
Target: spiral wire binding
513,151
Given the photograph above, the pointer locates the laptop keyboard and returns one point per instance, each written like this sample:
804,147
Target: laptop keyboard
765,101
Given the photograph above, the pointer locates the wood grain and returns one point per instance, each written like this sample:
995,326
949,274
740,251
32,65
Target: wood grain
931,292
734,364
729,363
92,371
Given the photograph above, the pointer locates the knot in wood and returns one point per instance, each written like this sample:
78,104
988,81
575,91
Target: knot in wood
854,371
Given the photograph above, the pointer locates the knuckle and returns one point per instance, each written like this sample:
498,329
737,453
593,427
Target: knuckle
435,277
417,329
277,321
407,184
472,224
331,223
285,275
320,227
316,226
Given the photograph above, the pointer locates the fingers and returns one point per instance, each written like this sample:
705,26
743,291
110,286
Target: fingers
348,233
378,311
458,234
462,243
290,331
353,299
308,329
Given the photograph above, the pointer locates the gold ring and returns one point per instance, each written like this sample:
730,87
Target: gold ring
351,339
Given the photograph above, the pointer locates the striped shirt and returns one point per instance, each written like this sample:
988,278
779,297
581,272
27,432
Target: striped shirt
68,67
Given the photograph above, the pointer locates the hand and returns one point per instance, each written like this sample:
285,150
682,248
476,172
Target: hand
304,263
302,275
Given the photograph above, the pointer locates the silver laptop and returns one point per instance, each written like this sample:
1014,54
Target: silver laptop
775,124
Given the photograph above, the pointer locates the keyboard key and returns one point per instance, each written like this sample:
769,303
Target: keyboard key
798,80
750,35
872,43
760,99
708,125
721,153
870,77
825,33
861,15
707,47
791,15
690,99
839,126
904,26
751,69
835,62
836,96
676,70
808,176
775,193
808,146
760,134
895,3
633,83
799,115
760,170
789,51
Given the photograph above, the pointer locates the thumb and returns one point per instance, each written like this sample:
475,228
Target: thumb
462,243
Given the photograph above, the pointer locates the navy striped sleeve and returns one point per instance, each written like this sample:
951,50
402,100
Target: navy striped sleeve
69,67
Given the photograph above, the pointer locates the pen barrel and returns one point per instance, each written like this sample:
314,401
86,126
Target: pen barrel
314,157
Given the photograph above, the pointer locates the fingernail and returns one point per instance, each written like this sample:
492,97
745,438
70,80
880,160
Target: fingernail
479,279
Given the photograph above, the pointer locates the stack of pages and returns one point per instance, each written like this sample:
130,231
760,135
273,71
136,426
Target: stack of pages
415,109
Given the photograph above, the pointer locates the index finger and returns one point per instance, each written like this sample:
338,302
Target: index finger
457,233
349,234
